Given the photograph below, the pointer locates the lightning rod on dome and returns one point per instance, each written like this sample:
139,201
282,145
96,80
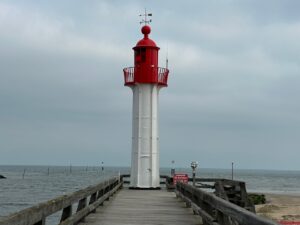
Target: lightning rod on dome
167,57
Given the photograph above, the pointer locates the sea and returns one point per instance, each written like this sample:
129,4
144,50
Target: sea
26,186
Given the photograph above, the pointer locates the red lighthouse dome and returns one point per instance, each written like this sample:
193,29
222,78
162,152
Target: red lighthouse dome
146,41
146,68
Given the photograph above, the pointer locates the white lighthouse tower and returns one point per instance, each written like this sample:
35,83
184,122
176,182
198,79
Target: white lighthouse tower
145,80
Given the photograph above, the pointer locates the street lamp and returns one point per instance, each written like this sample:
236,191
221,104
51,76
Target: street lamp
232,171
173,168
194,166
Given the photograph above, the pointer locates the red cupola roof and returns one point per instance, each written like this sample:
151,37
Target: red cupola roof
146,41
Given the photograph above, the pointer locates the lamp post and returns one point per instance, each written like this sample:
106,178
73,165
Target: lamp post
232,171
194,166
173,168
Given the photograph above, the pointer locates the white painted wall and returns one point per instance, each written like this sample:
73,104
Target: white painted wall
145,148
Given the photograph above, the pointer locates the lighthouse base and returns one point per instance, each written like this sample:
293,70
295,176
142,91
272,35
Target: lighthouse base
150,188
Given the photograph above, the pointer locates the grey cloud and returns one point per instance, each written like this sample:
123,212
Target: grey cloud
232,94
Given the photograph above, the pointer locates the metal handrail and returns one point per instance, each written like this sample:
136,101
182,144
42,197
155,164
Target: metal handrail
162,76
128,75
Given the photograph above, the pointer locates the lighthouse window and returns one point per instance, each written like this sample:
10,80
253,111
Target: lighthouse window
140,55
143,54
137,56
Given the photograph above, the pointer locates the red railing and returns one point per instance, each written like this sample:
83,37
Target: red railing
128,75
162,76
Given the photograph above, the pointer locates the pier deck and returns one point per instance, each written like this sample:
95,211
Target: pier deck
147,207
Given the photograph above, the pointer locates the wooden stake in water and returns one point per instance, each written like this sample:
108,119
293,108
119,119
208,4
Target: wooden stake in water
48,171
24,173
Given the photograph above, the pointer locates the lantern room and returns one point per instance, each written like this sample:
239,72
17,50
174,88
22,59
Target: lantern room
146,68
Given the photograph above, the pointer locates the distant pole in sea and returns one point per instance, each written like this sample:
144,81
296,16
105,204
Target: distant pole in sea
232,171
48,171
24,173
70,168
102,168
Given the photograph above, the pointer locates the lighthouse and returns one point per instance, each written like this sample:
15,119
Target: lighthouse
145,79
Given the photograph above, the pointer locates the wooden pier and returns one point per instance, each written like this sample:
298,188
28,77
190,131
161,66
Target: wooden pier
112,203
147,207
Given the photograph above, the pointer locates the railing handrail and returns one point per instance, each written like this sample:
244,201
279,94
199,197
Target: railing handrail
161,69
242,216
36,214
162,75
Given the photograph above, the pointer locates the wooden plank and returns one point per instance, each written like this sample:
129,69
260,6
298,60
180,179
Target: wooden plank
146,207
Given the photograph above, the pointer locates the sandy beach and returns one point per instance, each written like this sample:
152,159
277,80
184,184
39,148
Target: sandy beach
280,207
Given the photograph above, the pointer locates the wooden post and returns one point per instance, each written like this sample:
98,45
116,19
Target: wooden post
67,212
41,222
106,190
220,192
93,199
194,177
81,205
100,194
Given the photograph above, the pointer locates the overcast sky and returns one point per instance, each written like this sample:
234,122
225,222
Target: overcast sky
233,90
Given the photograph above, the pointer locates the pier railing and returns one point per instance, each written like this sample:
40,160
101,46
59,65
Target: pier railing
215,210
87,201
227,205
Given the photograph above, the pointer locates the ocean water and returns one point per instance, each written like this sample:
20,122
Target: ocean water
28,185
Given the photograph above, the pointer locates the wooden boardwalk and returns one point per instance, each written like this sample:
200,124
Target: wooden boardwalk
145,207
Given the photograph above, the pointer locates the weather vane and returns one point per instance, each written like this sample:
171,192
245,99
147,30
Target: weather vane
145,20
